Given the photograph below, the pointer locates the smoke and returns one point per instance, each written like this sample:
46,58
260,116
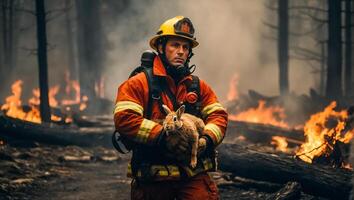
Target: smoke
231,37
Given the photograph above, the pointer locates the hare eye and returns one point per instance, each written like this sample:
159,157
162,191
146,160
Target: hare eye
174,118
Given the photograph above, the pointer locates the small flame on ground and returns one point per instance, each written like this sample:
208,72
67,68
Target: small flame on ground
99,87
321,136
273,115
233,91
280,143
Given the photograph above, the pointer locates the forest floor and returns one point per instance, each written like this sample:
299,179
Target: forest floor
72,173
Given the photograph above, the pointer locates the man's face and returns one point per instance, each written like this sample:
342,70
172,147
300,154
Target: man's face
177,50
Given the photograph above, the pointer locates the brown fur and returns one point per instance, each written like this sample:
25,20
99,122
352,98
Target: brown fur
184,123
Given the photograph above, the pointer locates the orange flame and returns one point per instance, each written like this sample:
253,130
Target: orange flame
72,86
320,138
280,143
273,115
233,92
13,106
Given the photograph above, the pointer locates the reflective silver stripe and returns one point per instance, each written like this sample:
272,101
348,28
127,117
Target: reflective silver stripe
157,170
207,110
215,130
128,105
144,130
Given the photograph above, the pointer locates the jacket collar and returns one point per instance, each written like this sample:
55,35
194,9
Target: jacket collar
159,69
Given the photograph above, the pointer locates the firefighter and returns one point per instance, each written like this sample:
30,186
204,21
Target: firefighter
155,173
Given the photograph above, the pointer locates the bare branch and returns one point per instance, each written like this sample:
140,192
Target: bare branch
315,18
307,32
31,51
53,11
272,26
270,7
54,17
268,37
306,52
307,8
31,12
304,58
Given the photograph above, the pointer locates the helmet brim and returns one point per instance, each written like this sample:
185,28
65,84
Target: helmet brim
155,38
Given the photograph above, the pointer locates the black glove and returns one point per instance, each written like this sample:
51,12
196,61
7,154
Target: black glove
204,144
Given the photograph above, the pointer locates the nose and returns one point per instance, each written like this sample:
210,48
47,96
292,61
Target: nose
181,50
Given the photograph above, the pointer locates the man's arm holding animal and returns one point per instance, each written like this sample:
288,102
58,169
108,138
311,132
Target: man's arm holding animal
129,110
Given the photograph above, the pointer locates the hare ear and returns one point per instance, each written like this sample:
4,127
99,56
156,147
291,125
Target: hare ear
180,111
167,110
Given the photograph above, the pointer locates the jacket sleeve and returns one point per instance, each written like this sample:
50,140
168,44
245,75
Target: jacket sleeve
129,110
214,115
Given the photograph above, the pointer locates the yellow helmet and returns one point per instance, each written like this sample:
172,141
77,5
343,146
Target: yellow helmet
178,26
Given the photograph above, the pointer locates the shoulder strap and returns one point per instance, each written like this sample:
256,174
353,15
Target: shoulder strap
154,91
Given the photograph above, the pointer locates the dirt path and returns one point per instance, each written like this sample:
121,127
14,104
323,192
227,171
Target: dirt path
88,181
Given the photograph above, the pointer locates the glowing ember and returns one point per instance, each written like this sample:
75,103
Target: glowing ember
323,130
280,143
83,105
233,92
273,115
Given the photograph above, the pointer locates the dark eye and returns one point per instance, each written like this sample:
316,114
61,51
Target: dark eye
174,118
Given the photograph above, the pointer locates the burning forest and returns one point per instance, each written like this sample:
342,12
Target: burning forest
276,103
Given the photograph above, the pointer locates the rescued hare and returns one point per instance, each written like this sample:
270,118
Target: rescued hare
184,123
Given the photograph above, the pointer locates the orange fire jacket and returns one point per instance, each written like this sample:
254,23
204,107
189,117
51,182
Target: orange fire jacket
131,107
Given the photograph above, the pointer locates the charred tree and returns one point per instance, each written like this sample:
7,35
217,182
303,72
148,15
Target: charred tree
334,58
348,48
70,40
2,67
42,60
90,46
283,46
7,7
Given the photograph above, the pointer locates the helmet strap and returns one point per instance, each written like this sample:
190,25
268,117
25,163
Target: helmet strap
177,72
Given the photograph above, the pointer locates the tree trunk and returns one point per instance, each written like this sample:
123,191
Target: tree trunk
283,57
6,6
348,48
334,58
42,61
323,69
72,68
2,67
317,180
91,52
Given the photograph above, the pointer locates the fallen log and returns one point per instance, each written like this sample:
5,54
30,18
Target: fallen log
261,133
291,191
316,180
54,134
248,184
